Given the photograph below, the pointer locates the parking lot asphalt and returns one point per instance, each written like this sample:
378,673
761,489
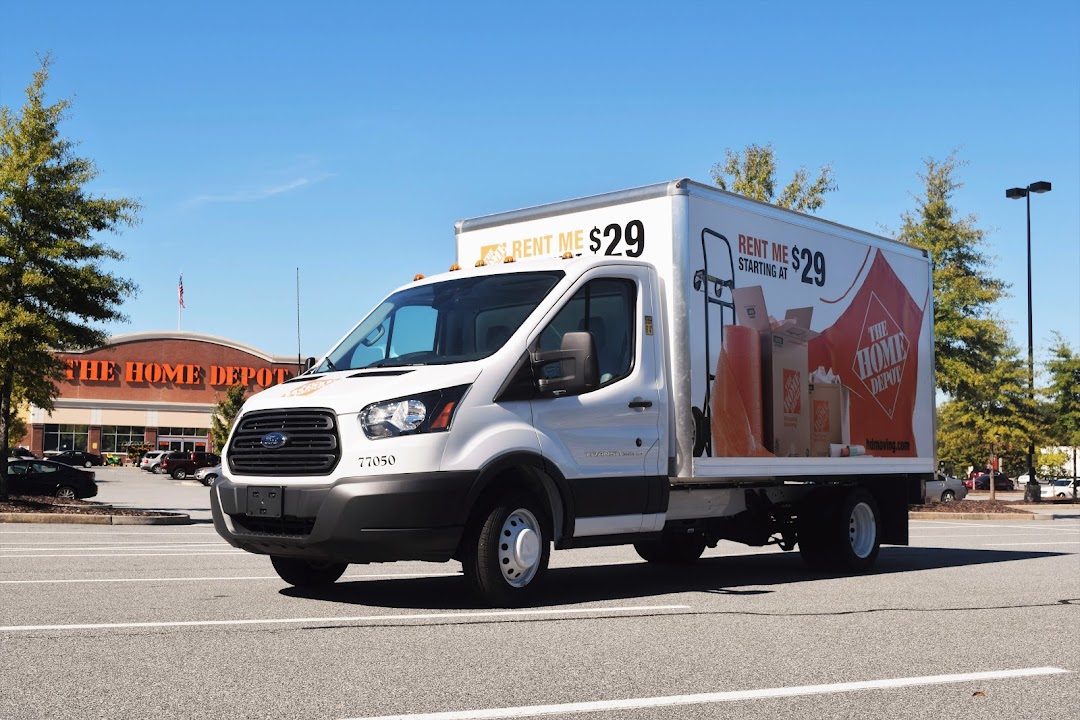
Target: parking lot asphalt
974,619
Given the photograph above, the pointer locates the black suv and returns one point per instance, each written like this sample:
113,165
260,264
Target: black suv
182,464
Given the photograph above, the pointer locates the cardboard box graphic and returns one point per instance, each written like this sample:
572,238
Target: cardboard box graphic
785,377
830,412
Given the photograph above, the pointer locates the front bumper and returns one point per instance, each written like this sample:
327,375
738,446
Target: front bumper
383,518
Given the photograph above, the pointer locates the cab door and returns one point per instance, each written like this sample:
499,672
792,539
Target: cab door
606,440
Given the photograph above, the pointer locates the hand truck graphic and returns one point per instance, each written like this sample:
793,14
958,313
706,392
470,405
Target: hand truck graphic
713,292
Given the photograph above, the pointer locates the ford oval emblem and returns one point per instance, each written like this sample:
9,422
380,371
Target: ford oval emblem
274,440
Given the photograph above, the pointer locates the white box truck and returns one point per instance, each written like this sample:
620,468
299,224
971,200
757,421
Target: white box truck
667,366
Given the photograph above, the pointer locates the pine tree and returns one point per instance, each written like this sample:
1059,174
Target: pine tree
752,173
225,415
968,338
54,290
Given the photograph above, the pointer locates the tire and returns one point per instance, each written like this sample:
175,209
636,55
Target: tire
305,573
506,550
840,532
67,492
672,549
948,496
87,464
156,470
208,480
179,474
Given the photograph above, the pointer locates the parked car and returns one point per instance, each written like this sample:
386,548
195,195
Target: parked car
45,477
1001,482
208,475
76,458
151,461
1060,488
182,464
21,452
945,488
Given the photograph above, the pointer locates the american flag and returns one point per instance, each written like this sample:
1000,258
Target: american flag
180,291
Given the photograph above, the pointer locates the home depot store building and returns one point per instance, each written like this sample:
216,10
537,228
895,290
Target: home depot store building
157,388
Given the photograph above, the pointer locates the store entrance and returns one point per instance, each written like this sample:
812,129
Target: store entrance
187,440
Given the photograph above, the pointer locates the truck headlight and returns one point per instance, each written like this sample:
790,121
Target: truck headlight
425,412
387,419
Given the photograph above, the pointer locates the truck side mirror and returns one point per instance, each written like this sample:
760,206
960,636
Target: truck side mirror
576,369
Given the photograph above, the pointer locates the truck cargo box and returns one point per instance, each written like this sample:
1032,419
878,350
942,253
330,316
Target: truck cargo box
798,348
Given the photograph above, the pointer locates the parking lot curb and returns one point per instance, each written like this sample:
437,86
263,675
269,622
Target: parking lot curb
976,516
77,519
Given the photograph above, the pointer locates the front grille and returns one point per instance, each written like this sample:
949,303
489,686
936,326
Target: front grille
311,447
285,526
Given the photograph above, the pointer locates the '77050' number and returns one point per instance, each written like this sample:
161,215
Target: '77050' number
377,460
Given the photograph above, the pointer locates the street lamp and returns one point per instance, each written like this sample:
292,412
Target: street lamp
1031,492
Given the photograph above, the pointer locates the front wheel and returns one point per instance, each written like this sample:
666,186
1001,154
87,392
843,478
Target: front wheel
179,474
305,573
507,550
87,464
208,480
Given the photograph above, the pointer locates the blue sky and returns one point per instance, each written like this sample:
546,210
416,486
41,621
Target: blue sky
346,138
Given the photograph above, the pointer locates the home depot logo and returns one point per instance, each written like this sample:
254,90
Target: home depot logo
792,391
493,254
821,416
881,355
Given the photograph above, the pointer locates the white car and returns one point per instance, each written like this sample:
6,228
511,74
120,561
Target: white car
208,475
945,488
1062,488
151,461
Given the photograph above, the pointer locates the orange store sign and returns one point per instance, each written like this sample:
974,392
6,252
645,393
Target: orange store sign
178,374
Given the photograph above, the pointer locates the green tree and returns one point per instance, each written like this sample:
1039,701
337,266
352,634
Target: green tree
752,173
968,338
225,415
1063,395
54,288
16,430
996,418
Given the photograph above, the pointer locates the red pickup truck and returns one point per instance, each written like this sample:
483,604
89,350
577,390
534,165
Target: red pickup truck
182,464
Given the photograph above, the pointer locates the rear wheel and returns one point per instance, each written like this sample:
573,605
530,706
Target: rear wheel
305,573
87,464
507,550
840,532
67,492
948,496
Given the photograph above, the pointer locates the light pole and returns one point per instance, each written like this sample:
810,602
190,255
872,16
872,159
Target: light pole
1031,492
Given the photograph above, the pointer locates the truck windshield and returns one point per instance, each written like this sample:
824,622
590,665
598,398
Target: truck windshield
447,322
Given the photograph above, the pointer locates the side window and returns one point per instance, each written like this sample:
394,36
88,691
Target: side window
43,468
604,307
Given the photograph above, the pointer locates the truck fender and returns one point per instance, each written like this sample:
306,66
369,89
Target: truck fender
540,473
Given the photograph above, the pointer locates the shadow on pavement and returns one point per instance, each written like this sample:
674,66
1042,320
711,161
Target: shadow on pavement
746,575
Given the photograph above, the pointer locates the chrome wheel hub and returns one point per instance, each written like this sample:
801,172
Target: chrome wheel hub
520,547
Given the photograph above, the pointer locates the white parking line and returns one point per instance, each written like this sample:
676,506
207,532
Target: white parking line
237,553
353,619
231,577
125,546
718,697
1014,544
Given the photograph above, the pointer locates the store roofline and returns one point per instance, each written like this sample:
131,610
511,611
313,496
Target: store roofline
193,336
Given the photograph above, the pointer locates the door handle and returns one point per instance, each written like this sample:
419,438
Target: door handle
640,404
